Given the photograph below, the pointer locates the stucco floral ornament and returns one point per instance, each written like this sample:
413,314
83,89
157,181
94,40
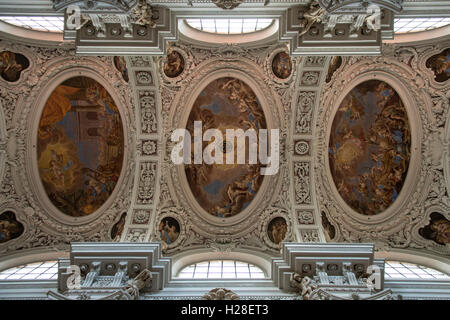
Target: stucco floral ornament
227,4
220,294
149,147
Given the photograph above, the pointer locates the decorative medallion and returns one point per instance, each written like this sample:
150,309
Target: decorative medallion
369,148
277,230
12,64
80,146
227,4
174,64
282,65
169,229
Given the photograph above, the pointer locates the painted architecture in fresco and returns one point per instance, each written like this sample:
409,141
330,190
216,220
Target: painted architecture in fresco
440,64
369,148
276,230
174,64
224,190
10,228
169,229
11,65
80,146
437,230
282,65
121,66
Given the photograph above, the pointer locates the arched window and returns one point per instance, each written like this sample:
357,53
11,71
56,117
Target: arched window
229,26
403,25
45,270
49,23
221,269
403,270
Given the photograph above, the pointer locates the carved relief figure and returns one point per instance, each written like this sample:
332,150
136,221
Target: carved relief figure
174,64
143,14
369,147
335,63
437,230
224,190
12,64
304,285
80,146
277,229
121,66
117,229
169,229
10,228
282,65
440,64
314,14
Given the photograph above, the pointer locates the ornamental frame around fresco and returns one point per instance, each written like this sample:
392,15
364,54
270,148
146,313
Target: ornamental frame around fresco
202,66
403,68
48,68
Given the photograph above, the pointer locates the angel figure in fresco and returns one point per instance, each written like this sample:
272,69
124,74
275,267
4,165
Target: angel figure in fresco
168,231
279,230
57,168
171,231
442,231
9,229
245,99
9,68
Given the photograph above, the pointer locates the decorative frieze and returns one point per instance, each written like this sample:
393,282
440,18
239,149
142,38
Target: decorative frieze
304,112
309,235
149,123
136,235
147,178
302,183
140,61
315,61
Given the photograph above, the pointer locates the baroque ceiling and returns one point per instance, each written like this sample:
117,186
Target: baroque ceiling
86,132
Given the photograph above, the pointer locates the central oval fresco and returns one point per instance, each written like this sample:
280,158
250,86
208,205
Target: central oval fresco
224,190
369,149
80,146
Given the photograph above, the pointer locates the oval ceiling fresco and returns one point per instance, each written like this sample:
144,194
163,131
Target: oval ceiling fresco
80,146
369,149
224,190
